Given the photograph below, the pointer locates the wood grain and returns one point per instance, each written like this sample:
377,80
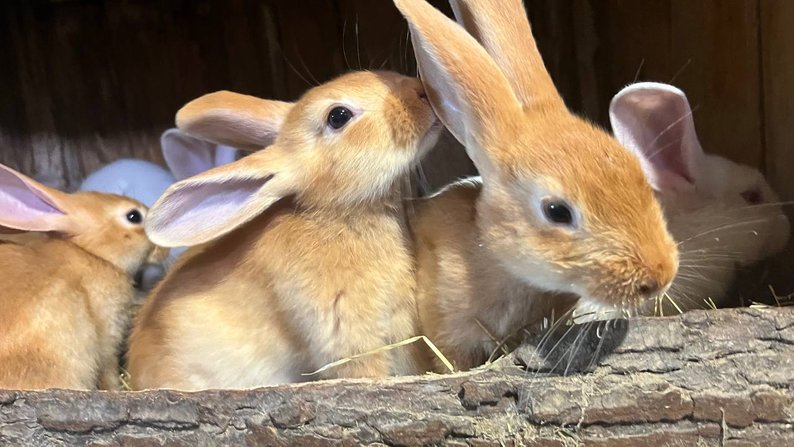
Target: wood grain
707,378
723,79
94,81
777,17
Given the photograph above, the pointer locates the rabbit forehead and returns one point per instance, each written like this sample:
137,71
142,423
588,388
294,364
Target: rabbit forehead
389,116
100,206
581,161
366,87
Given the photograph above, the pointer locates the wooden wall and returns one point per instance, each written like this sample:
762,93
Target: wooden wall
84,82
88,81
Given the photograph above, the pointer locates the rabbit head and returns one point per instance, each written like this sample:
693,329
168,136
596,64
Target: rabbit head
564,207
105,225
345,143
723,214
138,179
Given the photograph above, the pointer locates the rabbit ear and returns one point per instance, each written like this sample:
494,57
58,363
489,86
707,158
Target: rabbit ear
502,27
469,93
224,155
186,156
211,204
232,119
655,122
28,205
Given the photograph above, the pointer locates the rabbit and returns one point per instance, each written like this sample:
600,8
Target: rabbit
562,214
306,257
66,293
145,181
723,214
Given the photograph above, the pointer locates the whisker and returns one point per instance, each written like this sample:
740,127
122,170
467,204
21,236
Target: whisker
671,126
297,72
344,44
358,50
721,227
680,71
577,344
639,69
667,295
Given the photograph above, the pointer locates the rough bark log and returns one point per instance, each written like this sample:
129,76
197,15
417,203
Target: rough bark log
707,378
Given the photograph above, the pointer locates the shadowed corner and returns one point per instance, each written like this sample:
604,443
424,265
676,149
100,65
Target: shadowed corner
570,349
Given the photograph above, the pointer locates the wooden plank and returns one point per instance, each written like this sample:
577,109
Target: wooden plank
632,45
552,27
309,45
777,45
691,380
717,42
96,81
777,59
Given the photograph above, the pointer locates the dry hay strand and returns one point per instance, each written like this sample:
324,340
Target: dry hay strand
399,344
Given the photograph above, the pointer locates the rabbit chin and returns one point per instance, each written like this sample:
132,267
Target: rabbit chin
429,139
590,309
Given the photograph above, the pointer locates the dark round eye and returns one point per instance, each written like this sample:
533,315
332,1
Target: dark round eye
339,116
753,196
557,211
134,216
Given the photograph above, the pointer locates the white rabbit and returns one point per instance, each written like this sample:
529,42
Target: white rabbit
723,214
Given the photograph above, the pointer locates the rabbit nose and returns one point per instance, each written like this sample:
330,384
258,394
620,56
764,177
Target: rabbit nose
649,287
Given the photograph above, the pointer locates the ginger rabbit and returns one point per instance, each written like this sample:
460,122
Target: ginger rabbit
562,210
306,258
66,294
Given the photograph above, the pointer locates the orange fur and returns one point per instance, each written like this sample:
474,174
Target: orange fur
313,265
66,295
485,251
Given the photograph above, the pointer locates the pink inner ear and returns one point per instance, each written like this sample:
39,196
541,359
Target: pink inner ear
665,148
186,156
655,122
23,207
197,212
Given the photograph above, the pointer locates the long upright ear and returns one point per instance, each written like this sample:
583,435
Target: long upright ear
469,93
27,205
502,27
245,122
655,122
211,204
186,156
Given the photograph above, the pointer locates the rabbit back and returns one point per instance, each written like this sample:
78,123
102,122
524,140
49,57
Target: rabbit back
60,326
238,313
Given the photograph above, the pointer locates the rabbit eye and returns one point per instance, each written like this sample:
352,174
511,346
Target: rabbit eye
557,212
134,216
338,117
753,196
